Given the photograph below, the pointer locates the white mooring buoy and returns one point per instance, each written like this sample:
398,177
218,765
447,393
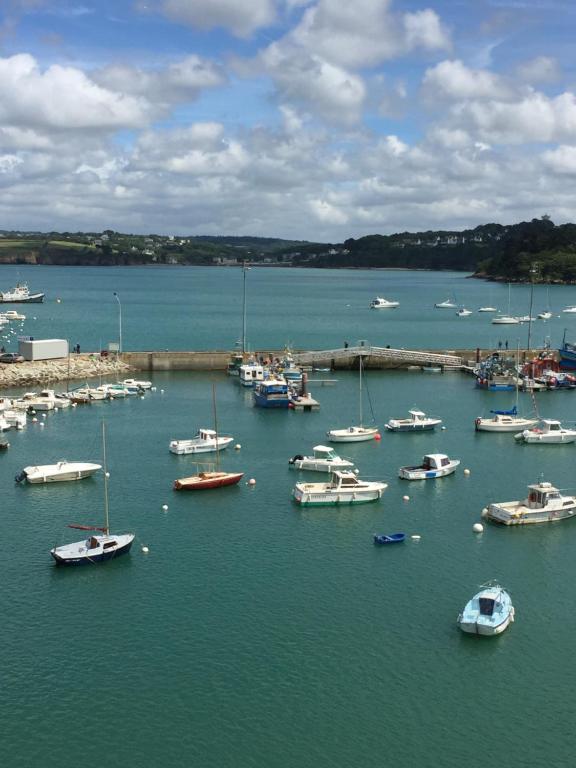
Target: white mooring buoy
478,528
165,507
405,498
251,481
466,471
145,550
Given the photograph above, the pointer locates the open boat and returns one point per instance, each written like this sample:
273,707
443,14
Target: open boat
206,440
343,488
433,465
489,612
551,431
325,459
447,304
98,547
392,538
545,504
416,422
354,434
213,477
60,472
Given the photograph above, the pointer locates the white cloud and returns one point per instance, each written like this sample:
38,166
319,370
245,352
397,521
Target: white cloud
242,18
542,69
453,80
424,29
561,160
63,98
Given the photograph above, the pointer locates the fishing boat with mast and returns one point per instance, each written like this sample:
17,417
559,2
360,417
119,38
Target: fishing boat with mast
212,476
358,433
101,545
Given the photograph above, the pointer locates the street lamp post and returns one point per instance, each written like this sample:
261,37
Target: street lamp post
119,322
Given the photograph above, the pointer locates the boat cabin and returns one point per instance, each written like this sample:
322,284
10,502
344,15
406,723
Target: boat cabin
435,461
486,605
206,434
251,372
540,494
324,452
344,480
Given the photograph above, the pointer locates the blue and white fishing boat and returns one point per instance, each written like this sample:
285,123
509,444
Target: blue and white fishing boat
98,547
433,465
567,354
489,612
272,393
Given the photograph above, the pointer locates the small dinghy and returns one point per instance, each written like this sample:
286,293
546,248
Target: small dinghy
417,421
392,538
433,465
325,459
489,612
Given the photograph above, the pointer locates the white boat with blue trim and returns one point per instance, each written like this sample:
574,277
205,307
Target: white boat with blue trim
489,612
343,488
433,465
417,421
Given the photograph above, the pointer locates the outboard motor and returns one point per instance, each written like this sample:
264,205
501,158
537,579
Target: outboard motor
20,477
296,458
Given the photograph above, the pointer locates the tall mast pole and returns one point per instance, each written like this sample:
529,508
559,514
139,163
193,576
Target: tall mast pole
244,311
533,271
106,516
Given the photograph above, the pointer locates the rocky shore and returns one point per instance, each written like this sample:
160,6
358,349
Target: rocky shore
43,372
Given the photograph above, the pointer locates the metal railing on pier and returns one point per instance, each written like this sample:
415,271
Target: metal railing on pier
400,356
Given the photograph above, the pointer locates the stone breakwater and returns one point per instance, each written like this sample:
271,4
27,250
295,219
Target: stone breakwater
46,371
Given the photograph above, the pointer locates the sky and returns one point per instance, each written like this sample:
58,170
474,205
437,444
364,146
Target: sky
302,119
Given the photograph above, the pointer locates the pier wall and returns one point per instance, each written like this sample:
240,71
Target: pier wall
218,360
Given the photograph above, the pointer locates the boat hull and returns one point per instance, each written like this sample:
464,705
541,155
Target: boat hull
312,465
76,554
34,298
209,480
489,425
185,447
336,498
417,473
520,515
352,435
54,474
393,427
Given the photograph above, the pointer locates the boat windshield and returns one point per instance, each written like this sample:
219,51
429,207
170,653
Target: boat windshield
486,606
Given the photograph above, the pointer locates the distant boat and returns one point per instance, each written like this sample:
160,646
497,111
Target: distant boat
545,504
343,488
487,309
464,312
380,303
489,612
569,310
544,315
20,295
447,304
392,538
433,465
506,319
97,548
60,472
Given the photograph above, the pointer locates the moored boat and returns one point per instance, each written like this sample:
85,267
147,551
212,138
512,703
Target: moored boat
206,440
207,479
359,433
544,504
447,304
325,459
250,373
343,488
60,472
464,312
272,393
380,303
416,422
550,431
433,465
20,295
489,612
392,538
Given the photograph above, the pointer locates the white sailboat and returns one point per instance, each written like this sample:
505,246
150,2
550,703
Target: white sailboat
547,314
506,319
98,547
354,434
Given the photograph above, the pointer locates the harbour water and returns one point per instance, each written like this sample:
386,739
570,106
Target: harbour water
256,633
200,308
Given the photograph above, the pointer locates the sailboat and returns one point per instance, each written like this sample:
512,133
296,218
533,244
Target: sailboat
212,477
508,420
506,319
97,548
355,434
547,314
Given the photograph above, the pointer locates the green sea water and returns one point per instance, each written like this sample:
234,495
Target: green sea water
256,633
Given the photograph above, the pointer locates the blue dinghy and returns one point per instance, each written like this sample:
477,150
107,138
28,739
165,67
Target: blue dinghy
393,538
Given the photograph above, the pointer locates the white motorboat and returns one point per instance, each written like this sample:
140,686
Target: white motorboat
325,459
343,488
355,434
12,314
21,295
487,309
138,383
551,431
99,547
15,418
416,422
464,312
60,472
489,612
380,303
545,504
544,315
447,304
569,311
47,400
433,465
205,441
505,320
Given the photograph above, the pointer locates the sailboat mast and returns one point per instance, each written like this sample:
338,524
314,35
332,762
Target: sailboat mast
215,427
360,392
244,310
106,512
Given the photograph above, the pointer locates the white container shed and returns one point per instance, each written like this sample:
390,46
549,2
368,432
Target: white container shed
43,349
